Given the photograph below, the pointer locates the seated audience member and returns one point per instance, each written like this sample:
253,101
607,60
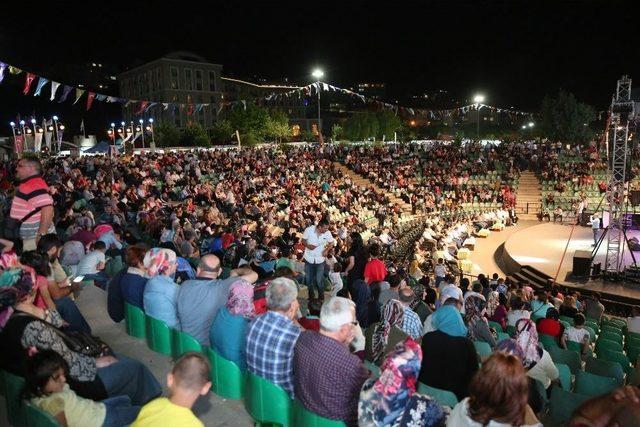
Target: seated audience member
394,281
374,308
383,340
577,333
91,265
619,408
47,389
536,360
501,312
517,312
411,324
311,322
37,265
550,324
72,252
498,396
568,307
272,336
593,308
200,299
424,303
127,286
540,305
449,357
327,376
161,292
633,322
474,316
374,270
399,405
228,333
187,381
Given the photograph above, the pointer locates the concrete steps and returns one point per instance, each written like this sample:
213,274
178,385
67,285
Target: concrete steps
528,196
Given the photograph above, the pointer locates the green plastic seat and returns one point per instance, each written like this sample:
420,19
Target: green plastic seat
594,385
13,396
610,336
567,319
605,368
567,357
305,418
511,330
443,397
617,322
563,403
565,376
631,335
113,266
36,417
495,325
266,402
565,324
182,342
574,346
633,352
605,344
227,380
632,342
612,330
592,333
482,348
616,356
135,321
548,341
503,336
158,336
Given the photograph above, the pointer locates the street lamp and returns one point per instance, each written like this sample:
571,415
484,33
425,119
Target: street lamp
478,99
142,130
318,74
153,137
531,124
15,143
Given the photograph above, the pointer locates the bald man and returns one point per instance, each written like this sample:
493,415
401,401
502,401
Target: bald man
200,299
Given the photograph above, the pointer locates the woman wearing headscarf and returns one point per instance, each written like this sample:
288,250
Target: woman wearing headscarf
476,322
228,331
392,316
361,296
30,328
449,357
536,360
161,292
501,312
391,400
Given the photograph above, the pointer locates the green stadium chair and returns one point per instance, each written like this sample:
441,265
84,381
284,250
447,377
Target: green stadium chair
511,330
605,344
592,333
611,336
443,397
567,319
495,325
503,336
632,335
158,336
633,352
482,348
618,322
612,329
574,346
181,342
305,418
632,342
113,266
616,356
548,341
565,376
563,403
266,402
227,379
594,385
135,321
567,357
36,417
16,410
565,324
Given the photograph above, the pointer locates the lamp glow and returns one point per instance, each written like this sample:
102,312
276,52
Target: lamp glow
113,125
141,121
33,121
61,127
12,124
317,73
531,124
55,117
22,122
478,99
121,123
150,120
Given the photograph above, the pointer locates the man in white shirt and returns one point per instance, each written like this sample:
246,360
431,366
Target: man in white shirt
92,264
316,239
595,226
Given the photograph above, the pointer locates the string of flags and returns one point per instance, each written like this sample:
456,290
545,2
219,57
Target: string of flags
142,106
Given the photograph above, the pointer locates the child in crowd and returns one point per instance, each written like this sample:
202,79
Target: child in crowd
91,266
335,277
188,380
311,321
47,388
577,333
440,271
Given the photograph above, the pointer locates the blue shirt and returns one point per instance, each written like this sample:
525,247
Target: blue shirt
270,342
109,238
133,287
411,324
160,296
228,337
199,301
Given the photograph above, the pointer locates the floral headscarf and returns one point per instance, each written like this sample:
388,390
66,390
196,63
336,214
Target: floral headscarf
15,284
493,303
392,399
510,346
392,315
240,302
527,338
9,260
158,260
474,309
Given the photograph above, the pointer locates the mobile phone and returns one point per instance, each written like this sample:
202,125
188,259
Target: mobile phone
78,279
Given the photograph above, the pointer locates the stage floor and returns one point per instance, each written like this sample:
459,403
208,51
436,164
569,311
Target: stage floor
541,247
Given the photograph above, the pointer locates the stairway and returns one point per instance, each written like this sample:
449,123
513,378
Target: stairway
529,192
361,181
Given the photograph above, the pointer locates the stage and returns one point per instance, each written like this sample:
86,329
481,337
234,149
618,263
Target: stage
541,246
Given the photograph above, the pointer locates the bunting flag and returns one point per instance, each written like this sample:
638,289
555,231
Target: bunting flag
47,133
41,82
60,132
112,99
100,97
65,93
150,106
3,66
37,143
27,83
54,89
14,70
129,102
90,97
165,105
79,93
142,107
19,144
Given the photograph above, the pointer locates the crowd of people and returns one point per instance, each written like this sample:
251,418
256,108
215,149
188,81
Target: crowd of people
264,255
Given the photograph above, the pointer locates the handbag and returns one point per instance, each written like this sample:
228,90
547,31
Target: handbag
11,226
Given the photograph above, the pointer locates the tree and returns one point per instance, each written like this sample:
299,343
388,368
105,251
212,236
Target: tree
565,119
195,136
166,135
352,127
277,126
252,120
222,131
307,135
388,123
336,131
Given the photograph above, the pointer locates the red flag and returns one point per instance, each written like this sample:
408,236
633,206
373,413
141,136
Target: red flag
27,82
90,97
142,107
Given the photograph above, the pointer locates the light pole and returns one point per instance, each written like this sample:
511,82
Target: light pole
55,129
13,130
153,137
318,74
59,130
478,99
142,131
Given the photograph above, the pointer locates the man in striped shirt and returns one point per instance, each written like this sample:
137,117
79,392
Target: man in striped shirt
32,194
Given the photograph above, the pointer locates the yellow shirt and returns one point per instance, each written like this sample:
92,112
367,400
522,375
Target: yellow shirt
161,412
78,411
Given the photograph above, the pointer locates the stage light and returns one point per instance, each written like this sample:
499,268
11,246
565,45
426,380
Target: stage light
317,73
478,98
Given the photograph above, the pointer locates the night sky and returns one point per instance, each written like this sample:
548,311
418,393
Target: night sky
514,52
